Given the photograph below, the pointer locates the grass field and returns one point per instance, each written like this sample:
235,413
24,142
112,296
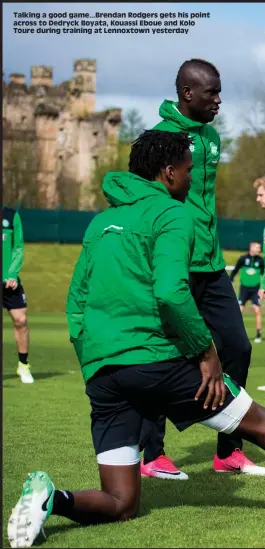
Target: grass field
47,427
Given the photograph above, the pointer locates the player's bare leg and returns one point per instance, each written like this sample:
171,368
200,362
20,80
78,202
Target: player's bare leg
21,335
252,426
118,500
258,316
21,330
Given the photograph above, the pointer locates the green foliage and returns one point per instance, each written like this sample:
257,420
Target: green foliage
131,126
235,196
219,124
20,168
68,191
114,160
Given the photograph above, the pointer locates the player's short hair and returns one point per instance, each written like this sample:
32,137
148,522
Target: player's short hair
194,63
260,182
254,242
155,150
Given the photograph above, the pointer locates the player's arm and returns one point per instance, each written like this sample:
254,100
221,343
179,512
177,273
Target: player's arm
76,301
171,257
262,266
261,291
262,286
17,249
178,311
237,267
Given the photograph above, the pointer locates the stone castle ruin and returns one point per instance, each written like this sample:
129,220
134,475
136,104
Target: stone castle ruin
53,136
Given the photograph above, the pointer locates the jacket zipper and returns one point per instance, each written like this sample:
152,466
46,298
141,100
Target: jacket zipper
204,190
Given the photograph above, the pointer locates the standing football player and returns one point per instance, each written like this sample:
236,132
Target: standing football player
14,298
251,267
198,86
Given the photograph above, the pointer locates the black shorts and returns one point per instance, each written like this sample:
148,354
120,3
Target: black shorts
121,397
249,294
14,299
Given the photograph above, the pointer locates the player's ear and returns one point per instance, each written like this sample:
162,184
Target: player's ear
187,93
170,173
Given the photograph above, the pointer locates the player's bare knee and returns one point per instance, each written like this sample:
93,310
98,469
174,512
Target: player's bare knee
128,510
127,504
254,421
20,322
259,422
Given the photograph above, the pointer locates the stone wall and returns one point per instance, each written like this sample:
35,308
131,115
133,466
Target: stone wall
67,135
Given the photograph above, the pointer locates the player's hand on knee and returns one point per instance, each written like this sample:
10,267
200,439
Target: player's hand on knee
261,293
212,379
11,283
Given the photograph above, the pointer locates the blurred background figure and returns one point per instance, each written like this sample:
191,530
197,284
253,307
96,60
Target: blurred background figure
251,267
14,298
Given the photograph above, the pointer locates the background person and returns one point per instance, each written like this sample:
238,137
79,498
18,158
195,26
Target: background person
14,298
251,267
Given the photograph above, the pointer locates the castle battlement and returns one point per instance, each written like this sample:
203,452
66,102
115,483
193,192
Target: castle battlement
80,88
68,134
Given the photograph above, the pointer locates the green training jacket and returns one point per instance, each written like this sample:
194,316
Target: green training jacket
200,204
129,300
13,244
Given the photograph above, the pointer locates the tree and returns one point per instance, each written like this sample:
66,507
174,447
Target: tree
112,161
20,168
131,126
219,124
254,116
69,191
235,196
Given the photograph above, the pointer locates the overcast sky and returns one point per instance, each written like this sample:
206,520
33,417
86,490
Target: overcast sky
140,70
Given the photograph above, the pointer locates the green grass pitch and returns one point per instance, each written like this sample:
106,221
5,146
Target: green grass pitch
46,426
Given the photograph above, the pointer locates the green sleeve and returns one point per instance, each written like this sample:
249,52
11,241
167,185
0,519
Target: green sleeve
171,257
76,301
263,282
17,249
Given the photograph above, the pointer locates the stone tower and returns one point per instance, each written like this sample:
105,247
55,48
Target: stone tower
54,133
17,78
41,76
83,86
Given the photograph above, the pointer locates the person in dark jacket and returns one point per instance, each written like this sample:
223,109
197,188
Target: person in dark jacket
14,297
251,268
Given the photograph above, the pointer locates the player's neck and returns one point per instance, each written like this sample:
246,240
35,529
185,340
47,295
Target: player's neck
184,110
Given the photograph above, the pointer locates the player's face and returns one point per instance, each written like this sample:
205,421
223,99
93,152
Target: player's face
261,196
180,178
255,248
205,98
